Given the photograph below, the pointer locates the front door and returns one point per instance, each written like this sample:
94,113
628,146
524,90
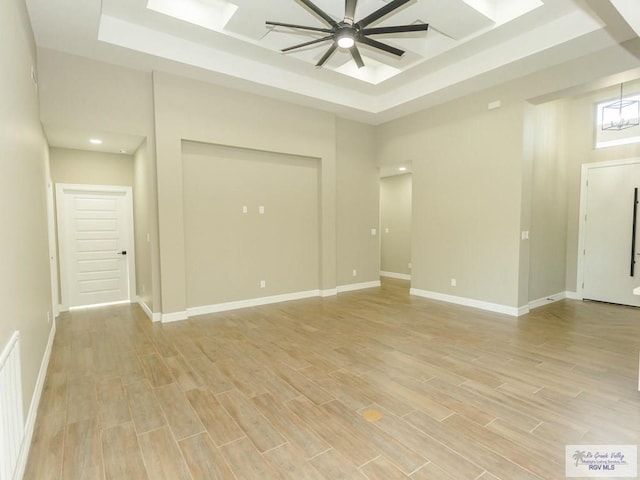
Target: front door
95,231
610,271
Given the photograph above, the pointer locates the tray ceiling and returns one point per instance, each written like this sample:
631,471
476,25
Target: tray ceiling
227,39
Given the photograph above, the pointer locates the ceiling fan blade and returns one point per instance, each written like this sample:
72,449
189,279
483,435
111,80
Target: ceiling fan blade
382,46
381,12
326,56
301,27
315,9
397,29
300,45
356,56
350,11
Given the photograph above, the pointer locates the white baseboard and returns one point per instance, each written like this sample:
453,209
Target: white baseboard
252,302
255,302
331,292
63,308
572,295
548,299
33,408
358,286
400,276
154,317
174,317
469,302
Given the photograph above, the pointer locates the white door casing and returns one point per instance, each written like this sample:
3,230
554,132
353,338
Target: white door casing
53,254
605,240
95,228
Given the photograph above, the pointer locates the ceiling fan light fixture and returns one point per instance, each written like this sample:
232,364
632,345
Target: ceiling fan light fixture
345,39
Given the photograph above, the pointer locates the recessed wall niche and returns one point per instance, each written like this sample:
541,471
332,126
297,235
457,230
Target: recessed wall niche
249,217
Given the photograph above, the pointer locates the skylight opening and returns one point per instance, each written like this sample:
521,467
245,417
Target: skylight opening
503,11
210,14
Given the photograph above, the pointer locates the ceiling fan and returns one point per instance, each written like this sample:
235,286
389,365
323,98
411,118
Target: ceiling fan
348,33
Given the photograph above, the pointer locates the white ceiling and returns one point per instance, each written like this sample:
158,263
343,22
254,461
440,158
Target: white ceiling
228,39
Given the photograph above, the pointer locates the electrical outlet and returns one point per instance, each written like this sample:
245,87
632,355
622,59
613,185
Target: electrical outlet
261,209
409,264
453,282
374,232
245,209
355,272
263,283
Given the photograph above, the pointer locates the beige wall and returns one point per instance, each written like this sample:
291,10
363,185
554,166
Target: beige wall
579,149
395,223
79,94
478,180
357,203
482,177
91,168
468,167
90,96
25,288
142,199
189,110
548,236
229,252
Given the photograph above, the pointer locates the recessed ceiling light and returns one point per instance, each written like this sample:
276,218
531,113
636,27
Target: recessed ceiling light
123,151
403,169
96,141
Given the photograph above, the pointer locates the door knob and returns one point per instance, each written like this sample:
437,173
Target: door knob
123,252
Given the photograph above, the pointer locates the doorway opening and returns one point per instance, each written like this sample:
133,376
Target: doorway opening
395,226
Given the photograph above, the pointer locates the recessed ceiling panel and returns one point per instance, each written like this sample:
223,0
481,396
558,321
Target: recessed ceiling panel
454,18
248,22
502,11
211,14
374,72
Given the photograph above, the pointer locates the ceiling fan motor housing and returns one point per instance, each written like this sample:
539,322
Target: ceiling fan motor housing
346,35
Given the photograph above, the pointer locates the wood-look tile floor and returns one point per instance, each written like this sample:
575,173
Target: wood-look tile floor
372,384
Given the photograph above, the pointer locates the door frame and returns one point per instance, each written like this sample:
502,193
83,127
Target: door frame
53,254
65,188
586,167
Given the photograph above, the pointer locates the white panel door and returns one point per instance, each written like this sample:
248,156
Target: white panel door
608,251
96,246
